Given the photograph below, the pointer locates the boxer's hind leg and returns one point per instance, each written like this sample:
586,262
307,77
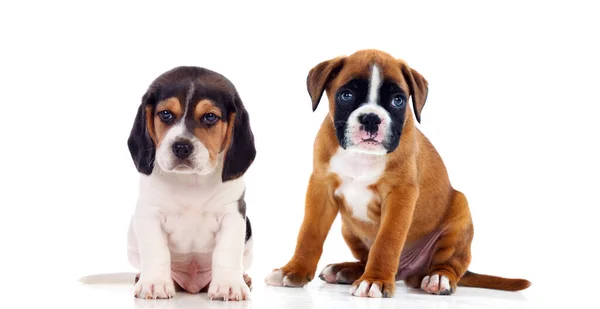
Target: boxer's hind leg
451,254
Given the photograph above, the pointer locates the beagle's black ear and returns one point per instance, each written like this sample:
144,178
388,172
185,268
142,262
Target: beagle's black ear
141,146
241,152
319,77
418,89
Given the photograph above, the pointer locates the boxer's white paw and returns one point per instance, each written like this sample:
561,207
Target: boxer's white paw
342,273
373,289
367,290
275,278
288,279
436,284
328,275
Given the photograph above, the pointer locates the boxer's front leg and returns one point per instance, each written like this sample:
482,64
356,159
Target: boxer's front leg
379,278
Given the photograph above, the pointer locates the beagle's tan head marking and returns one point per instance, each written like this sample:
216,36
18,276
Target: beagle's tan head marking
157,128
368,93
214,137
191,120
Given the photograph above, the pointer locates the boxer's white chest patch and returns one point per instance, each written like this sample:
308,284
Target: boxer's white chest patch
357,171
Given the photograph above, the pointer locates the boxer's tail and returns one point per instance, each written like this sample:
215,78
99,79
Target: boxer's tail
474,280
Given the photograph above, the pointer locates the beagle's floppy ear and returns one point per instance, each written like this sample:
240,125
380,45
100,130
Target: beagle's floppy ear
418,89
241,151
319,77
141,146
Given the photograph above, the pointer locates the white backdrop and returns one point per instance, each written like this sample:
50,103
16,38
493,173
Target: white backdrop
512,108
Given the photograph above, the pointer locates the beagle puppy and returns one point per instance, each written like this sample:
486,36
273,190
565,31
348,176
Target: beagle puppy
401,217
191,142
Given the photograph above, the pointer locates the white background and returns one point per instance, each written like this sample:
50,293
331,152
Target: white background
512,109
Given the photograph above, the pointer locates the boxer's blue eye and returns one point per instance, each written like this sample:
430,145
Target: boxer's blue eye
398,101
346,96
166,116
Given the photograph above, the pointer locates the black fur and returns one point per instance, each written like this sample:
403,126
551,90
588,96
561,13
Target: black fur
386,93
248,230
241,152
242,206
141,147
242,210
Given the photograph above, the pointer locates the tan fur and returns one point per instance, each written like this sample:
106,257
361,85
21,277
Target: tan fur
204,107
213,137
150,124
228,133
412,198
156,128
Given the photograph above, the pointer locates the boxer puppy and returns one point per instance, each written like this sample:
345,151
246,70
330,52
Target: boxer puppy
401,217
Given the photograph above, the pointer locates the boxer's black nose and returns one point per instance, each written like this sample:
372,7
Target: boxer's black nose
370,122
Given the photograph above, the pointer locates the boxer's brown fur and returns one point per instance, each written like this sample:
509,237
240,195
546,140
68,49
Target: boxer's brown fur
412,198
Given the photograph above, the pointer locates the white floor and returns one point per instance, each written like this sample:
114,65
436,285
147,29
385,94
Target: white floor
316,295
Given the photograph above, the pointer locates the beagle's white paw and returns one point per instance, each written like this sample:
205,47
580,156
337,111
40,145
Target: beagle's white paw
151,288
228,286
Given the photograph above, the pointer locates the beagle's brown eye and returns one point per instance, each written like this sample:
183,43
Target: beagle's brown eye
166,116
210,118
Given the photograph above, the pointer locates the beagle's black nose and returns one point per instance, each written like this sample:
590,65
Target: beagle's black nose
370,122
182,150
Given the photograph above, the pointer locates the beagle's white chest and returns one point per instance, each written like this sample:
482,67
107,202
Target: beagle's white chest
191,230
357,172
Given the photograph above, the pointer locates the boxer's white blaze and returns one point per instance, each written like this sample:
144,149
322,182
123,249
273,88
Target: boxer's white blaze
355,135
374,85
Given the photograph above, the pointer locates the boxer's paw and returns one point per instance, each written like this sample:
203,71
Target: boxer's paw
289,277
437,284
373,288
342,273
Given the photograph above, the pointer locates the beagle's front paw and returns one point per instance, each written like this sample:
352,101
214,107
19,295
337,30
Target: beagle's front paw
152,288
228,286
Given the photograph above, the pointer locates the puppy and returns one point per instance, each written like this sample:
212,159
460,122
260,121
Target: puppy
191,143
401,218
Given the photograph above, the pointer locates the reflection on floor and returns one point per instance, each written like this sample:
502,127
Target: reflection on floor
316,295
